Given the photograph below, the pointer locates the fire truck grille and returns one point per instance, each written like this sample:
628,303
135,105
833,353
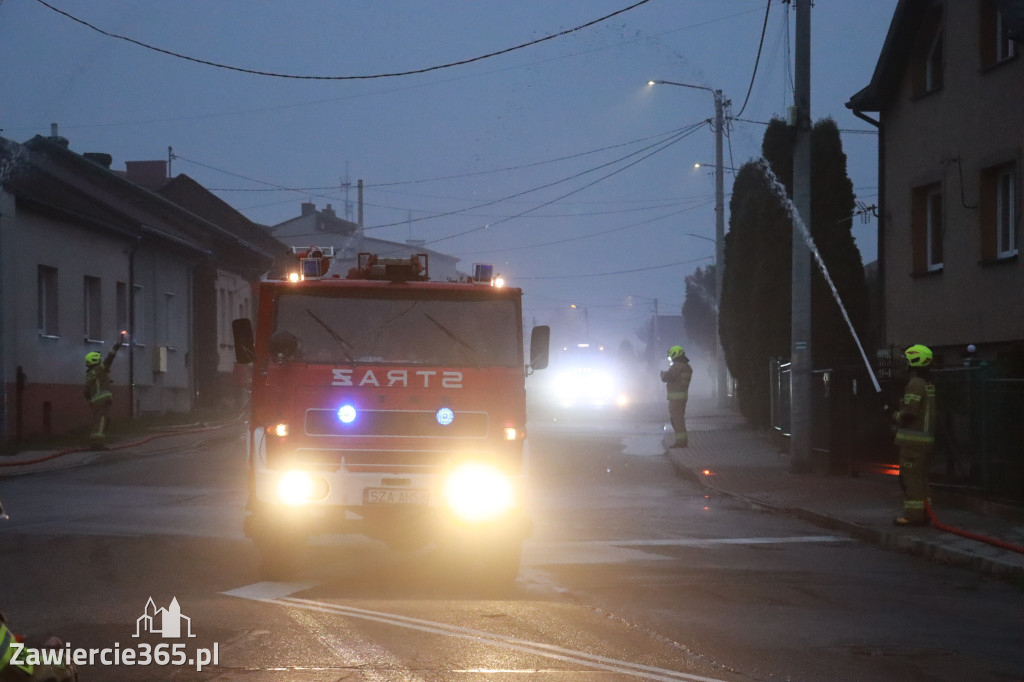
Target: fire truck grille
398,424
392,461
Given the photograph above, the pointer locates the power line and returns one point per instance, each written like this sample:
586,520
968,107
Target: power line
625,272
663,147
757,61
589,235
671,140
851,131
664,144
281,188
341,78
574,214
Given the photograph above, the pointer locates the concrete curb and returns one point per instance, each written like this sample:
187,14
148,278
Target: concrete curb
896,539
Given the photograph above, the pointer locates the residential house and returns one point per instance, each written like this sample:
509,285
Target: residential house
946,95
86,254
322,228
223,287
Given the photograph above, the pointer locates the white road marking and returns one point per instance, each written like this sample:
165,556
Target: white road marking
266,591
592,551
576,553
645,444
625,551
478,636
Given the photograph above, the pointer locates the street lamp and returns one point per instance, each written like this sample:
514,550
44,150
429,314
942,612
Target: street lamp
586,319
720,104
701,164
654,320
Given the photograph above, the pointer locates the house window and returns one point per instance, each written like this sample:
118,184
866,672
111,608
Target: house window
140,332
46,286
927,234
1006,213
169,311
994,40
933,229
121,301
929,55
92,308
933,65
230,305
1006,47
1000,212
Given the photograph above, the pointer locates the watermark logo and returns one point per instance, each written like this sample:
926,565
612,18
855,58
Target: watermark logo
166,622
169,623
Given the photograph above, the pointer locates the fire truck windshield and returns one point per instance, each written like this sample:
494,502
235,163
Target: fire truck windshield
476,331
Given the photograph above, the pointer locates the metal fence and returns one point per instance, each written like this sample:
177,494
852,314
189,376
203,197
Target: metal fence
980,432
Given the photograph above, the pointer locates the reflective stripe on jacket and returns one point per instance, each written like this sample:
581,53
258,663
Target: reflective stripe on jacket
916,416
7,651
97,379
677,379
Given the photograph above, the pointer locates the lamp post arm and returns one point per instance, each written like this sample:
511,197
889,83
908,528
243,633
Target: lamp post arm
685,85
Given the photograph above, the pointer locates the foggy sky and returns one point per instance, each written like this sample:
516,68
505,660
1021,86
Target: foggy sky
494,143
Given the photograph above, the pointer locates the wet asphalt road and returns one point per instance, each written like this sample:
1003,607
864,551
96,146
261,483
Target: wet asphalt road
631,573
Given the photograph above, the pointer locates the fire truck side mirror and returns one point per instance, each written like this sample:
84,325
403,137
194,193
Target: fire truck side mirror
540,342
245,346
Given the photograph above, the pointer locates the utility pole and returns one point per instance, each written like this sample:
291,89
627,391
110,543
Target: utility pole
721,390
800,323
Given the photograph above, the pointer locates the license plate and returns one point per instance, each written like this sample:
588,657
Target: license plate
394,496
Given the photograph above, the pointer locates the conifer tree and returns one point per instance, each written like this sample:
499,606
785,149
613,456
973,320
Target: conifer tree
756,290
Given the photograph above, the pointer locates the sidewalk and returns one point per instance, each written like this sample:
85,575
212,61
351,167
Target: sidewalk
154,441
728,457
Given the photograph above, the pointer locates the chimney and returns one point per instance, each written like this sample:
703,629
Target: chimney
329,212
149,174
308,208
55,137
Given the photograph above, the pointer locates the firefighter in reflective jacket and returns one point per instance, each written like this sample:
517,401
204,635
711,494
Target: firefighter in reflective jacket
97,392
15,665
9,670
677,383
915,436
14,660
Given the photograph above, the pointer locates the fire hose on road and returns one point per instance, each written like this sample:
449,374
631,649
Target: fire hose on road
996,542
122,446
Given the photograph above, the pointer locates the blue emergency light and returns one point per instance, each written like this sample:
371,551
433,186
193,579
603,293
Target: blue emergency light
483,272
347,414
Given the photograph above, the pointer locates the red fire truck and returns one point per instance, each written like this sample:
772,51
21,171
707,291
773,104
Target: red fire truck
388,405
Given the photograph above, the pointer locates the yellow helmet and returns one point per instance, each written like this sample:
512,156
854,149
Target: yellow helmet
92,359
918,355
676,352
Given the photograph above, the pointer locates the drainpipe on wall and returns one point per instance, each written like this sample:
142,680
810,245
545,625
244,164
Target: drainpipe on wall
131,328
880,239
191,357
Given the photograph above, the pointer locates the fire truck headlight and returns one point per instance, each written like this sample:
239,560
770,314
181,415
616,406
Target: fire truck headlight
602,385
299,487
565,386
476,492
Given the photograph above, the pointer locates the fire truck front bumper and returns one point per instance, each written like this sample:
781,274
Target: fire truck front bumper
465,499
